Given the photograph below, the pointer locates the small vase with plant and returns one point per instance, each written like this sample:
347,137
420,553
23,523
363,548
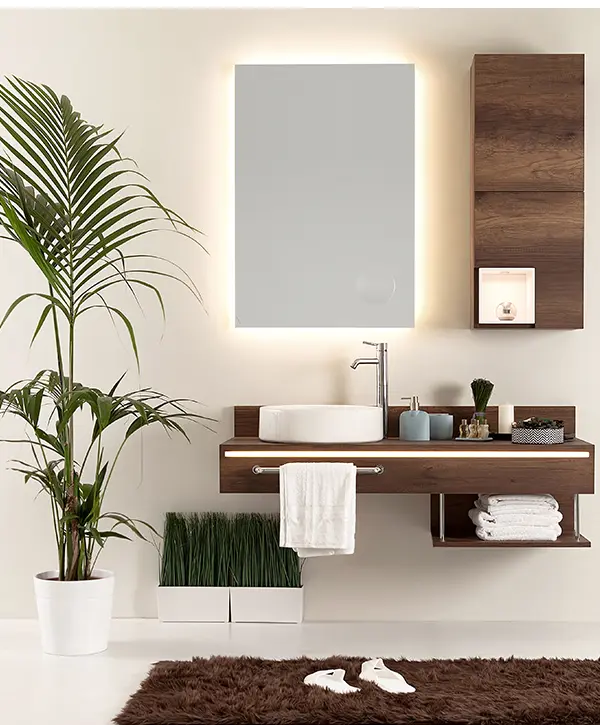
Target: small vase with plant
482,392
538,431
79,211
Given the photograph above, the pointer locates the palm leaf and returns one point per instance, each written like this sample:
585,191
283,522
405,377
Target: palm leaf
70,199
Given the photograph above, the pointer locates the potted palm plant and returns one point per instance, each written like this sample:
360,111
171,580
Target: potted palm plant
194,575
75,207
266,580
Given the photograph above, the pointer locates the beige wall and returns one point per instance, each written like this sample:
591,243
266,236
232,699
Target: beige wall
166,76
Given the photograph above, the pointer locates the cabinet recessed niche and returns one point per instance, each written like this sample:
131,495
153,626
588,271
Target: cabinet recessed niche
506,296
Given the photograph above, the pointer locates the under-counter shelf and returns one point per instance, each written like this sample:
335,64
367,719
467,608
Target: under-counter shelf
565,541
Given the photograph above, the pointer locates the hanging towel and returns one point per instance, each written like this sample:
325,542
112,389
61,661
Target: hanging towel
511,500
519,533
317,506
538,518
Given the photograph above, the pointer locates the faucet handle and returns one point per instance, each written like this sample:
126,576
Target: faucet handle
380,345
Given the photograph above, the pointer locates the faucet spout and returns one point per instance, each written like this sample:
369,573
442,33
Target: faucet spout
364,361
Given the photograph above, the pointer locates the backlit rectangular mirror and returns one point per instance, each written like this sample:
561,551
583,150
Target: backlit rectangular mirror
324,195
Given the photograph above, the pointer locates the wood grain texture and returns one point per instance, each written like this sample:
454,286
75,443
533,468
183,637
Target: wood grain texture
245,417
529,228
528,122
423,475
559,290
527,133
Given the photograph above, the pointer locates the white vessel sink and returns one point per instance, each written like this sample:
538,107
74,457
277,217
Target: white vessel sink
320,424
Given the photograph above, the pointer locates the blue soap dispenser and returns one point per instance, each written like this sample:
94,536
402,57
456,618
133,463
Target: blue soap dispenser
414,423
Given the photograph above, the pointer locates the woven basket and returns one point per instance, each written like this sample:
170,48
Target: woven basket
538,436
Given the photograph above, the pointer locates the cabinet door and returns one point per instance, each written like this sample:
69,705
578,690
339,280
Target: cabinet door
528,122
525,229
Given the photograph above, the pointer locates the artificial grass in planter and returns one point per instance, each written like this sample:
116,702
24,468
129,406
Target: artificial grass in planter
214,549
195,550
256,559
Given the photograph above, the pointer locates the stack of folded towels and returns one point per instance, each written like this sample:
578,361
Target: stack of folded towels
516,517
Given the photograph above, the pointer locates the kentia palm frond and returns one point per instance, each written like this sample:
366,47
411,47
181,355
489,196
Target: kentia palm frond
75,205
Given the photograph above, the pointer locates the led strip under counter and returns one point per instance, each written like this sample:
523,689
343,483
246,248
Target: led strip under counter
404,454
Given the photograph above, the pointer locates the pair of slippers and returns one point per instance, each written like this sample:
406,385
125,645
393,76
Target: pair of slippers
371,671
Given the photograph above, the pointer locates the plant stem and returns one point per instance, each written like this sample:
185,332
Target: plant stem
61,373
74,571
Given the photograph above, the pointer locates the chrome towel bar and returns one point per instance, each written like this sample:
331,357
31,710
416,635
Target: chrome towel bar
372,470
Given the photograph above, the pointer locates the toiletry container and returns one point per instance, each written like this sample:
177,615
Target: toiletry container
414,423
441,426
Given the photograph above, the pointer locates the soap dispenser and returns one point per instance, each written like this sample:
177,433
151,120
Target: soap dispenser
414,423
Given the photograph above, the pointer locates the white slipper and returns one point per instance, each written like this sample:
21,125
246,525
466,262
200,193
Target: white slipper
375,671
330,680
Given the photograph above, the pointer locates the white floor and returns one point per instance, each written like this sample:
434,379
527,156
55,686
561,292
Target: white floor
37,688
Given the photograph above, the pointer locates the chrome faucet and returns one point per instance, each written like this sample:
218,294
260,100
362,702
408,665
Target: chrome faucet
382,377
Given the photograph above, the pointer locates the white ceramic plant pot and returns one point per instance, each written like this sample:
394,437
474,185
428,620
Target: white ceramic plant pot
74,616
267,604
193,604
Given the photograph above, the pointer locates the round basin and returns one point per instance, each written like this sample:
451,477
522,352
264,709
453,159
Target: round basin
320,424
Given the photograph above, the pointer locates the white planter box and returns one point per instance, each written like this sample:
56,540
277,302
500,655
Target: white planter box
193,604
266,604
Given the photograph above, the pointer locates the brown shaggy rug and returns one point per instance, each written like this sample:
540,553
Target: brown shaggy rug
232,690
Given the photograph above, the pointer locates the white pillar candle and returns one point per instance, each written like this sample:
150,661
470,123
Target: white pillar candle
506,417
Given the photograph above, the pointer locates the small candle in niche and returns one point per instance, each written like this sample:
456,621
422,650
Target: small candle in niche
506,417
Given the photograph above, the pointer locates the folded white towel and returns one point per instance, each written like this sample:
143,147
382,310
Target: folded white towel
486,520
511,500
517,510
317,505
519,533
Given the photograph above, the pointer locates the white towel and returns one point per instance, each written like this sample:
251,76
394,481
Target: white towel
519,533
317,505
515,510
515,500
486,520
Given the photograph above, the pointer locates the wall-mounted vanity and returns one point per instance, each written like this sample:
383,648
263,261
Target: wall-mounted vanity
453,473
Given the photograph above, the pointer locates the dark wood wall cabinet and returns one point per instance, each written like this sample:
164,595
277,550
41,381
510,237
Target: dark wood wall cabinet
451,472
528,190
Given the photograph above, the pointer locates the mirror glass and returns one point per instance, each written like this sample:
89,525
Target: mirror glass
324,195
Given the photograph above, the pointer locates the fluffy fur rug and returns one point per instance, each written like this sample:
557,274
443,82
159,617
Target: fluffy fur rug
233,690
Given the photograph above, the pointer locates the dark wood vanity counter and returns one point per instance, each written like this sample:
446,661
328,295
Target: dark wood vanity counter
451,472
422,467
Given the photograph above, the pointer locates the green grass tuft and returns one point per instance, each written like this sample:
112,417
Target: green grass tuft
217,550
257,560
174,565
